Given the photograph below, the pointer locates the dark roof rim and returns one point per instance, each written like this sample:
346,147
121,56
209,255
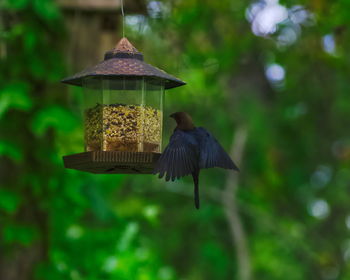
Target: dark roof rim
169,83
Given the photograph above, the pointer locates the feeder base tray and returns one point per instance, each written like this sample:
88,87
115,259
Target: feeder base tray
113,162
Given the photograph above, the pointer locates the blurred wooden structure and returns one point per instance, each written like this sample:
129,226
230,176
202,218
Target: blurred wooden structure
94,26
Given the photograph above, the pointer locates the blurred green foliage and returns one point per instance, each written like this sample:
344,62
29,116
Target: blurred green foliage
293,194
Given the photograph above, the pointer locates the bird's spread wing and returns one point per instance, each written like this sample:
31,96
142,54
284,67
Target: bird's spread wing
211,152
180,157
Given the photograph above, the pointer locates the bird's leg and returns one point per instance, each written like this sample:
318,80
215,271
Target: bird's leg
195,176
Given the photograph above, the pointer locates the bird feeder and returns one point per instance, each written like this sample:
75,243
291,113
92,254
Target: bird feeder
123,113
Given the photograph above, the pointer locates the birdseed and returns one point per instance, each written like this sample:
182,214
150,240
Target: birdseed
120,127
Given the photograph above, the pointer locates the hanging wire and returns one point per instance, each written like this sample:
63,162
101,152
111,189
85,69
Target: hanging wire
123,16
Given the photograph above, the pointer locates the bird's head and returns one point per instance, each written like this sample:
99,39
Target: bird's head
183,120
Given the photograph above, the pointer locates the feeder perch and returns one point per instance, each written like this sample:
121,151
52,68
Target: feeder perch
123,113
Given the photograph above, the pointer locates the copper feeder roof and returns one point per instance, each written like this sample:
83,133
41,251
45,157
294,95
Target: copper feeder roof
125,61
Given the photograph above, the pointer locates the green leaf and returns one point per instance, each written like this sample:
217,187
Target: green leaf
17,4
14,233
9,201
15,95
30,39
10,150
129,234
53,117
46,9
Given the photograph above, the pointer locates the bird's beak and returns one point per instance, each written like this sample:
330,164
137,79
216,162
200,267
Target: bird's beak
172,116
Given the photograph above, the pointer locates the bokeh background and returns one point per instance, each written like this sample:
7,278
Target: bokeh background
269,78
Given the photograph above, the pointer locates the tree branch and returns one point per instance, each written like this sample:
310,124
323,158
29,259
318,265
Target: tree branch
239,240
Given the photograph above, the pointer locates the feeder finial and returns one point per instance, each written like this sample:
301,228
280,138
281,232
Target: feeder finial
125,46
124,49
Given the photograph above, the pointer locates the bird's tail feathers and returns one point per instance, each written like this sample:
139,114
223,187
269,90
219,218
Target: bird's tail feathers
195,176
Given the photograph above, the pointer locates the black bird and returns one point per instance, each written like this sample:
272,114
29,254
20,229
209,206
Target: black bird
190,149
